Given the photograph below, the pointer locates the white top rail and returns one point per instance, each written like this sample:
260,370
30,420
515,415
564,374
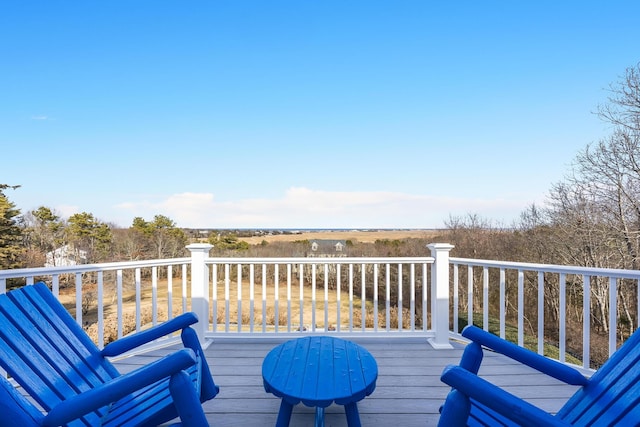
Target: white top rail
550,268
322,260
87,268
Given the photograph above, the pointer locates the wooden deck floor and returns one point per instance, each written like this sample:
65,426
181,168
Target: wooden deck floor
408,392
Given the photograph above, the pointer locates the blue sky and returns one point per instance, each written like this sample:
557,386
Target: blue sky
303,114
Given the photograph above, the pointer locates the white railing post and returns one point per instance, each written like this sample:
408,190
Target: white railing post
440,291
200,286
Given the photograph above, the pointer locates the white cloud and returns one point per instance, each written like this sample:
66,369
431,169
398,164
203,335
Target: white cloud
40,117
65,211
307,208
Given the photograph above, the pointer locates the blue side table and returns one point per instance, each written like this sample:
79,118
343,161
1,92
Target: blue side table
319,371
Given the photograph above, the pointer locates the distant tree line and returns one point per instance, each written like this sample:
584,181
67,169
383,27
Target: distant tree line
25,240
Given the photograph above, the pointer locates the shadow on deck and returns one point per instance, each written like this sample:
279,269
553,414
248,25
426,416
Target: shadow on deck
408,392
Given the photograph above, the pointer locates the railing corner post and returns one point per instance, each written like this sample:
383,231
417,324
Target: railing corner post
200,286
440,291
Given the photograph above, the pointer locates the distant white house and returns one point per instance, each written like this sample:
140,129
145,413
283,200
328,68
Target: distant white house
65,256
327,248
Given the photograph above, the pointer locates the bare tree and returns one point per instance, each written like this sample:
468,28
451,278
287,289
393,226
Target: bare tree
610,173
595,211
623,108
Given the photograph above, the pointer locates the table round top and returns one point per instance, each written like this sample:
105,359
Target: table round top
320,370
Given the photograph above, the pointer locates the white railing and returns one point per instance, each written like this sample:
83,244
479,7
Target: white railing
545,286
430,297
365,296
315,294
253,296
108,286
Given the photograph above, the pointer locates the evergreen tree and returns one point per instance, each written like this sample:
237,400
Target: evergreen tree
164,238
10,232
45,229
87,233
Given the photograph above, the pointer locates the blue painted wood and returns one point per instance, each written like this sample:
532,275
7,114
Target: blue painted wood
611,397
319,371
15,410
548,366
45,351
131,342
489,404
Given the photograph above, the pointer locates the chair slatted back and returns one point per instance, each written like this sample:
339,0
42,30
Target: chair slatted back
612,396
46,351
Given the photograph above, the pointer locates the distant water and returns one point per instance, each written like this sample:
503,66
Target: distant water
318,230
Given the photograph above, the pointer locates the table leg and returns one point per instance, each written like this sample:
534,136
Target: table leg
319,417
353,417
284,415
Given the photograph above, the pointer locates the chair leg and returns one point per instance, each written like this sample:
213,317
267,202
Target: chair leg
187,401
208,388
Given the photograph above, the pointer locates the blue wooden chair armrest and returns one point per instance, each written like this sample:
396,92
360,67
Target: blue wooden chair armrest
119,387
130,342
540,363
493,397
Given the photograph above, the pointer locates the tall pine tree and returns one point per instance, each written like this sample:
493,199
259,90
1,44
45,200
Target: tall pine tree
10,232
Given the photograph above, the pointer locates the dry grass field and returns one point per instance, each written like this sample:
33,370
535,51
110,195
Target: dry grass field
244,313
265,316
353,235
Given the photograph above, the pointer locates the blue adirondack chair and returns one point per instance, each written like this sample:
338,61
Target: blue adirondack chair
610,397
73,383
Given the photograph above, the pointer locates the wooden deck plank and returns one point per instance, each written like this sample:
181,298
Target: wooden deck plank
408,393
